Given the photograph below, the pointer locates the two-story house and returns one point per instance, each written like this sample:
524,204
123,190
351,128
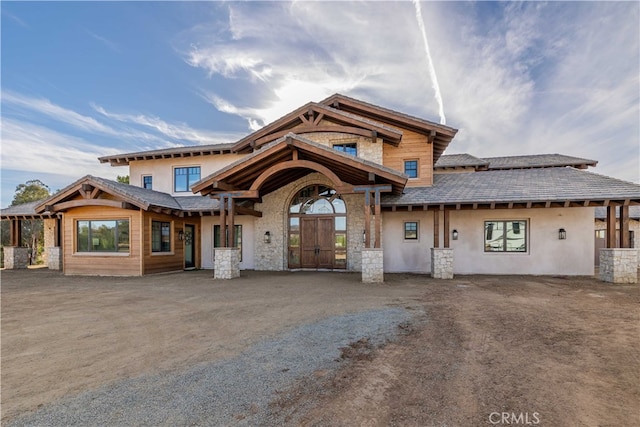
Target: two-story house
339,184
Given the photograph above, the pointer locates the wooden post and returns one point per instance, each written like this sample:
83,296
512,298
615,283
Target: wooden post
378,219
223,222
624,227
436,229
231,224
367,219
446,228
15,231
611,227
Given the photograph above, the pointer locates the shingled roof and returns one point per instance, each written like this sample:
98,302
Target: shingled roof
548,186
25,211
538,161
167,153
460,161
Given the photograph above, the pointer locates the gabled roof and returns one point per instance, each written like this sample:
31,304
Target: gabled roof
307,119
167,153
538,161
290,158
549,187
452,161
440,135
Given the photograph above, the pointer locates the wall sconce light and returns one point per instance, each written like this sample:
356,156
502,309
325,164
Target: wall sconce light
267,237
181,235
562,234
454,234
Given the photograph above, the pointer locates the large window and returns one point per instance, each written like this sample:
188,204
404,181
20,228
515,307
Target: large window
184,178
238,237
160,236
351,149
411,168
102,235
505,236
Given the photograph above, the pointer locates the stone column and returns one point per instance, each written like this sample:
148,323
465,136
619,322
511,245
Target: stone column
619,265
372,265
442,263
16,257
226,264
54,258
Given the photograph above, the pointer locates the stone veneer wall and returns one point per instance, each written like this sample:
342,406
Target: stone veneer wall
367,150
226,263
442,263
634,225
274,207
15,257
49,225
54,258
619,265
372,265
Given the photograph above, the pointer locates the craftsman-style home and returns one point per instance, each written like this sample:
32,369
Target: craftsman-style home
339,184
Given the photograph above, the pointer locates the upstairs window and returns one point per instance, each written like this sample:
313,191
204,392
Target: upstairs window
411,168
351,149
147,182
184,178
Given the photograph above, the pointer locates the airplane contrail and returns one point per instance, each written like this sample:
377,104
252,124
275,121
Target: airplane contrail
432,70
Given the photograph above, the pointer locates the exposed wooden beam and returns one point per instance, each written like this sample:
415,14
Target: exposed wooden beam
624,227
446,228
611,227
436,229
89,202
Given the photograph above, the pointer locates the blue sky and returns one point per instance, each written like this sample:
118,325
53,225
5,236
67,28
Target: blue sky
86,79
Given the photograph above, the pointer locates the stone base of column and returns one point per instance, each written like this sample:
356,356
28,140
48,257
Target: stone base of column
54,258
372,265
15,257
619,265
226,263
442,263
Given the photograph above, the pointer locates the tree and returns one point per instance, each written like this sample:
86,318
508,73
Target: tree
32,229
124,179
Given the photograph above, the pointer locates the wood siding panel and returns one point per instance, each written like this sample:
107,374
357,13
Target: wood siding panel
414,146
163,262
97,264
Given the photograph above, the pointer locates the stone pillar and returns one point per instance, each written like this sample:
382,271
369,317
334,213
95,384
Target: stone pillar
226,263
372,265
442,263
619,265
15,257
54,258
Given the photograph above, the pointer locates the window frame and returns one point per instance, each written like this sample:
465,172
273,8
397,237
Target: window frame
505,234
190,181
117,232
417,168
166,250
144,184
342,148
405,230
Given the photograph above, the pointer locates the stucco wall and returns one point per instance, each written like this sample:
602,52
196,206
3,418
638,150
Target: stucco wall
546,253
162,170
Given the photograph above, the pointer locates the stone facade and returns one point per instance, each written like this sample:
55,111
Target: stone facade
50,231
15,257
619,265
54,258
634,225
372,265
367,150
274,207
226,263
441,263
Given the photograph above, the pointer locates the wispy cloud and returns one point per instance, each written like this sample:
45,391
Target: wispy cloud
175,131
14,18
108,43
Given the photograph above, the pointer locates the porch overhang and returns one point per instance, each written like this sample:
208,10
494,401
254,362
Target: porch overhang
290,158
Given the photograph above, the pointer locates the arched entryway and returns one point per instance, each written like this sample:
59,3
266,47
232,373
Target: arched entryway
317,229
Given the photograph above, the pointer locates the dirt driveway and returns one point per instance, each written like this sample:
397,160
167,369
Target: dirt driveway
550,351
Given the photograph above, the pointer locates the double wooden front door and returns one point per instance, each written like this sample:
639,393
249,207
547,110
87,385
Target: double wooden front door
317,242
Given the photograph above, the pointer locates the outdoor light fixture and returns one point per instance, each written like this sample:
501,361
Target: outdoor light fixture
267,237
181,235
364,236
562,234
454,234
